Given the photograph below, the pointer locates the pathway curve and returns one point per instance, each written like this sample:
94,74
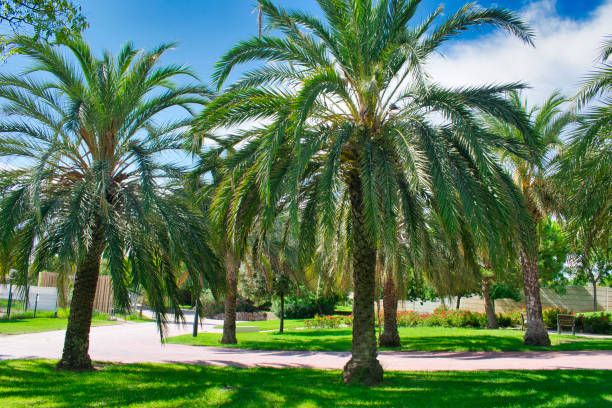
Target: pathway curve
139,342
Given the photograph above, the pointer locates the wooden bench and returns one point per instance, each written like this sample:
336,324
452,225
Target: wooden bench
565,320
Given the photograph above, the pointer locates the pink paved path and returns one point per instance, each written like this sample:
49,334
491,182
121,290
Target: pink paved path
139,342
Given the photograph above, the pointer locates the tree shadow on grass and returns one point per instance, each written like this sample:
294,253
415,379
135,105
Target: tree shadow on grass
36,383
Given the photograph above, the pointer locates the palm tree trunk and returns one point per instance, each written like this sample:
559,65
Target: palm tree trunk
282,312
195,319
536,333
229,317
594,282
390,336
489,305
76,344
363,367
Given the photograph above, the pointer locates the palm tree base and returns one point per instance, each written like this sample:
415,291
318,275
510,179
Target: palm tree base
78,363
536,337
229,340
366,373
389,339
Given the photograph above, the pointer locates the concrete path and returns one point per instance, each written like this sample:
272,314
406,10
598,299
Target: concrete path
139,342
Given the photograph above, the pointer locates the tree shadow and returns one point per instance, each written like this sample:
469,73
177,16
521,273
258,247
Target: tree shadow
36,383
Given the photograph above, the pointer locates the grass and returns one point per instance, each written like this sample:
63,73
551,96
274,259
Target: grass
36,383
413,339
41,324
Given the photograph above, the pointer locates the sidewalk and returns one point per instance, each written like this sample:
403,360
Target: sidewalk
139,342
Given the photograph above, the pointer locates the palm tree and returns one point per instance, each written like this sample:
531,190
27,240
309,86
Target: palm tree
213,183
341,111
533,178
92,178
585,171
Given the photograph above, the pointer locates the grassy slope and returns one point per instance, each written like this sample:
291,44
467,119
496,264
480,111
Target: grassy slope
36,383
18,326
413,339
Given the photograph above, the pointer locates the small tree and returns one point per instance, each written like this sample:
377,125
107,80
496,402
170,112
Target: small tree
39,19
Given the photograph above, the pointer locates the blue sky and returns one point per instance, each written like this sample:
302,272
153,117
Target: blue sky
205,29
568,33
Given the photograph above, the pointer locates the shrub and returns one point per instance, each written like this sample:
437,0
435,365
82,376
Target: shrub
439,318
510,319
210,306
549,315
245,305
306,307
328,322
597,324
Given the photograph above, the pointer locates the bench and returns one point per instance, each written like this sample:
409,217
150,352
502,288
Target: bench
565,320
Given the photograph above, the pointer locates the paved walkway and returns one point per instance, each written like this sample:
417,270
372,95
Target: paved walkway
139,342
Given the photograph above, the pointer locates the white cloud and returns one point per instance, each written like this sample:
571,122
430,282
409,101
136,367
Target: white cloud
7,166
565,50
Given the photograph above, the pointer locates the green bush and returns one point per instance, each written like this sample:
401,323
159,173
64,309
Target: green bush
306,307
509,319
328,322
549,315
454,318
596,324
245,305
439,318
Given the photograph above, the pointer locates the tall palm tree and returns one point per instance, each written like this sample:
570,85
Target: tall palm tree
533,177
91,176
342,112
585,171
213,183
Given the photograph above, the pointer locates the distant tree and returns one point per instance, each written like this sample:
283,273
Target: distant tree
552,252
585,173
532,176
593,264
39,19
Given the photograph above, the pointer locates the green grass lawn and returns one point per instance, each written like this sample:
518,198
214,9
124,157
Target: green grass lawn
19,326
37,384
413,339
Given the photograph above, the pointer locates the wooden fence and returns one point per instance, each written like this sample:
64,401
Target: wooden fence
103,301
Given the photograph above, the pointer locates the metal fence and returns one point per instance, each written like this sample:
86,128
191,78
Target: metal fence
17,299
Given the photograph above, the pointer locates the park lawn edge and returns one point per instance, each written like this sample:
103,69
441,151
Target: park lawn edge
443,340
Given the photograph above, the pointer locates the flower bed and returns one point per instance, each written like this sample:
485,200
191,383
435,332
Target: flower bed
440,318
328,322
